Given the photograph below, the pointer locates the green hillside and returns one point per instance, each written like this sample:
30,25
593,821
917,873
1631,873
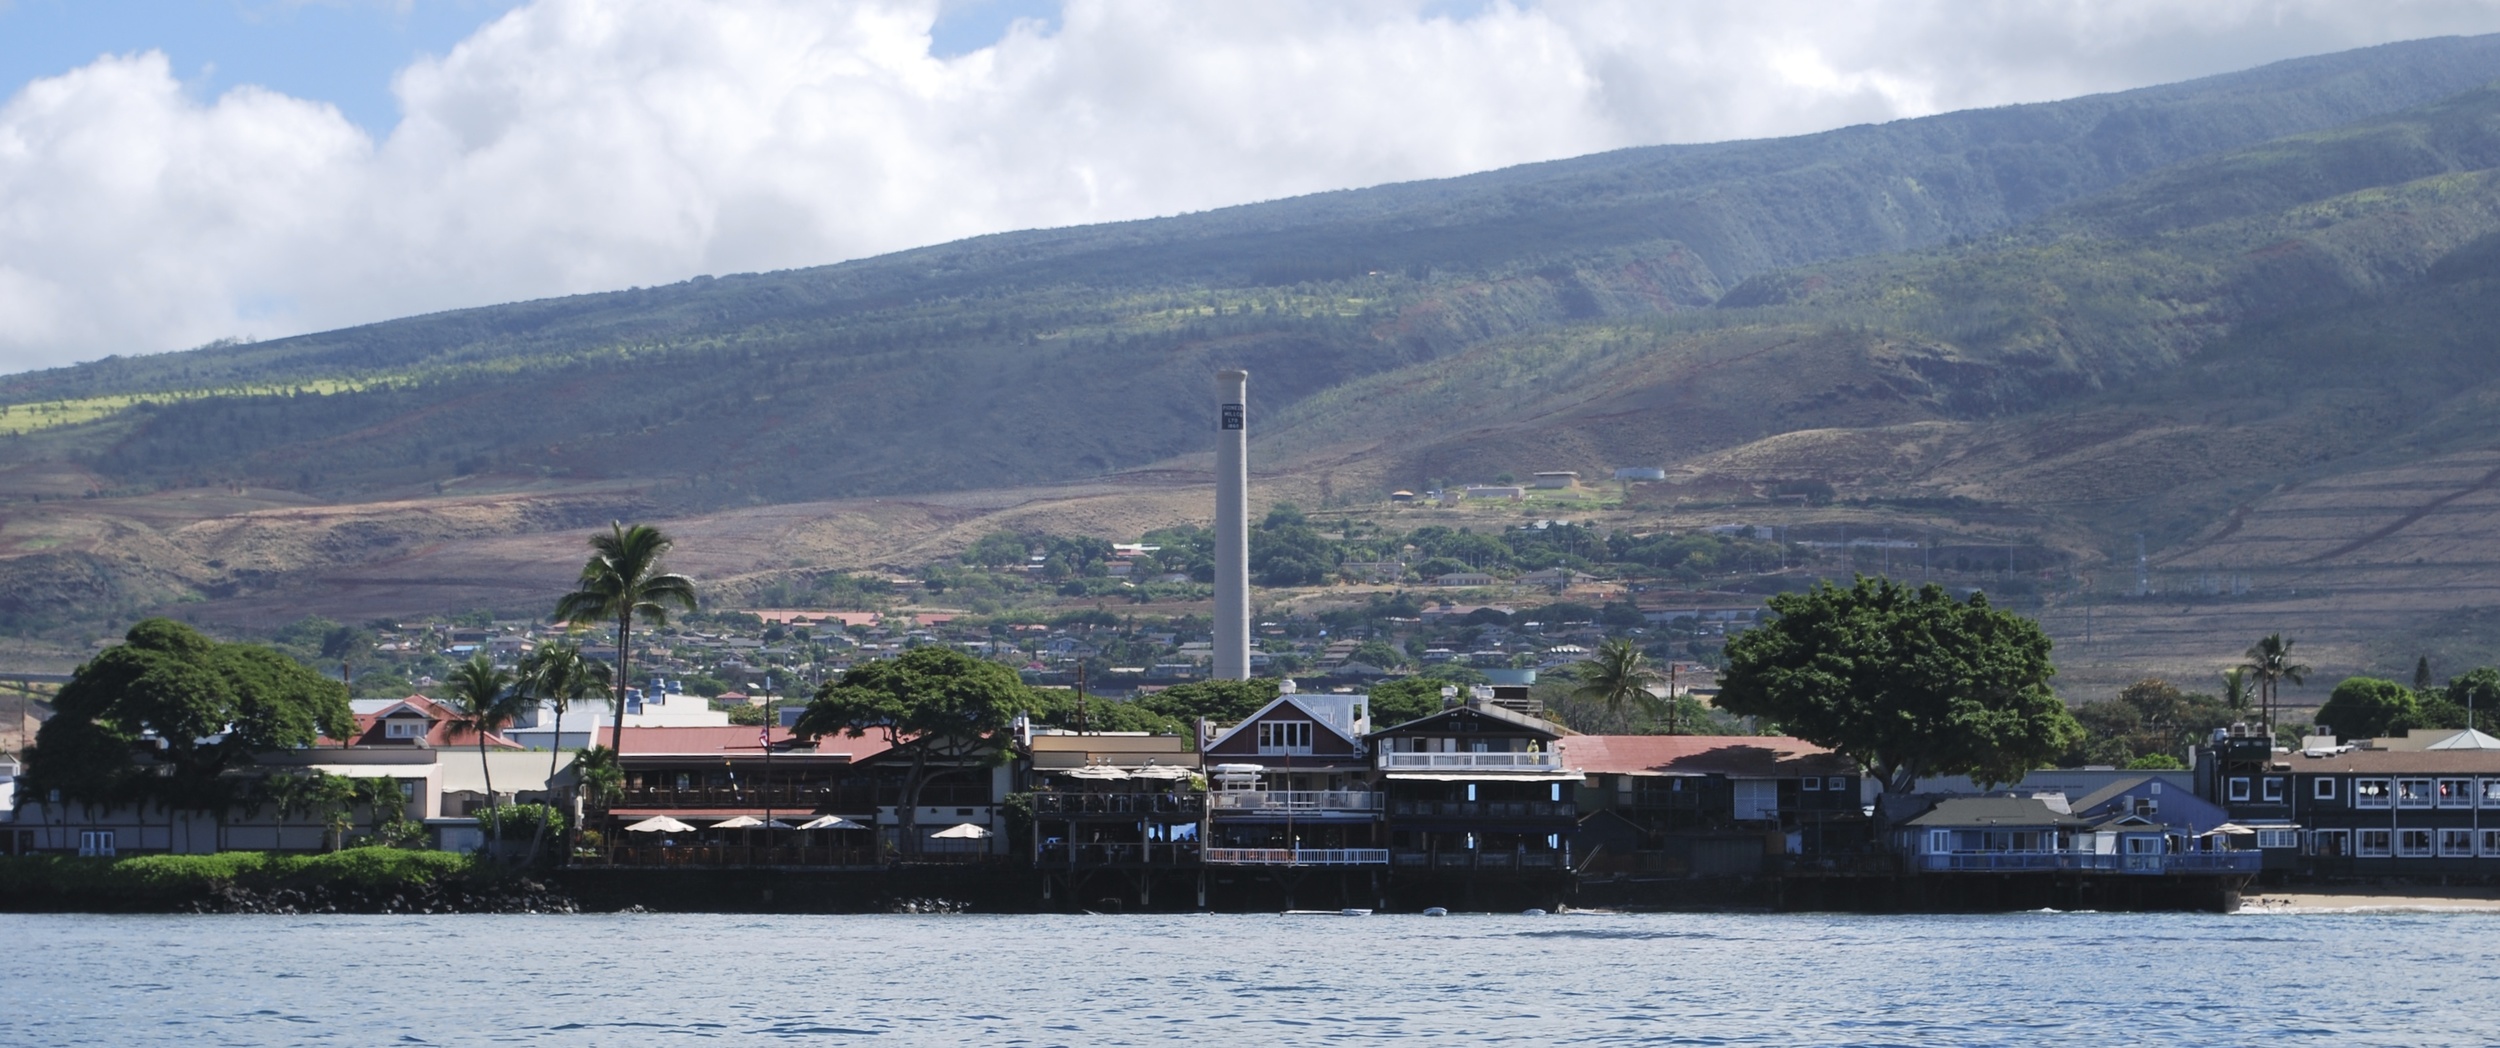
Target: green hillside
1070,353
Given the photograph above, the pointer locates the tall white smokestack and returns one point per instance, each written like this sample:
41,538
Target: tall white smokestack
1232,526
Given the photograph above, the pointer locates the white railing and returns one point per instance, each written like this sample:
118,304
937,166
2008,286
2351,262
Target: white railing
1297,856
1546,760
1293,800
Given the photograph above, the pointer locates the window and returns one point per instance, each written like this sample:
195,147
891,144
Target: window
2369,793
1815,784
2491,793
1939,841
2322,788
2456,844
2273,789
2413,844
2414,793
2372,844
2278,838
2456,793
2239,788
403,728
1290,737
2331,843
96,842
408,789
2491,844
1838,782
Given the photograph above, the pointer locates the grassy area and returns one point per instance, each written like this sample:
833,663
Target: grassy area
53,414
146,882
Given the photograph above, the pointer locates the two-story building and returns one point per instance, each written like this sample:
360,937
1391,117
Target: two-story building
1700,805
2419,807
1124,806
1477,791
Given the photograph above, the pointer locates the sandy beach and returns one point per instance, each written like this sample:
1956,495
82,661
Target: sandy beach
2410,899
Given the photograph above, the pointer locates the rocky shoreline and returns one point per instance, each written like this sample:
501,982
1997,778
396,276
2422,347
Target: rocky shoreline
519,895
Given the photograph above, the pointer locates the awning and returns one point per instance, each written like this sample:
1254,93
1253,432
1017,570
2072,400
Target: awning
829,822
659,824
1479,776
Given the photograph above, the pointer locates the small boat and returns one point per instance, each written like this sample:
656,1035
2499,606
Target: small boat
1436,911
1352,912
1532,912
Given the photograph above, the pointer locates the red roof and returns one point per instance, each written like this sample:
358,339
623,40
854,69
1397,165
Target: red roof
1736,756
737,739
370,730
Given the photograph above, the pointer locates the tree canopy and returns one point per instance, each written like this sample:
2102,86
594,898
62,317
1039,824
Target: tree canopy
1908,682
204,706
939,708
1221,701
2367,707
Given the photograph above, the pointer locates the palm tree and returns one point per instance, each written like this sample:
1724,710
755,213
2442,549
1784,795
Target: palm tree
1619,677
562,675
2270,661
484,700
2235,689
622,581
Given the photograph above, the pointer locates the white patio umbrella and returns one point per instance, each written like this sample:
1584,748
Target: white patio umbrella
1094,771
830,822
776,824
738,823
1163,771
659,824
962,831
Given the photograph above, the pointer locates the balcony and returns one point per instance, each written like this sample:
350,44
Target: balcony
2159,863
1539,761
1062,855
1188,805
1250,802
1525,861
1486,809
1297,856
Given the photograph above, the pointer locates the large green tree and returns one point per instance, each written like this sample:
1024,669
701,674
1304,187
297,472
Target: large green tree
1219,701
196,708
620,583
1907,682
941,709
2367,708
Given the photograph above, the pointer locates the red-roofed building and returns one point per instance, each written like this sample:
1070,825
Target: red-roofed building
416,721
1708,804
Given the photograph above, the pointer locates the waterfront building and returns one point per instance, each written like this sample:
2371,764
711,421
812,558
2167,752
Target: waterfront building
1702,806
1293,785
1123,806
1477,789
2427,805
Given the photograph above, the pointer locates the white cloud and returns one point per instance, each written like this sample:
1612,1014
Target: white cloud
578,145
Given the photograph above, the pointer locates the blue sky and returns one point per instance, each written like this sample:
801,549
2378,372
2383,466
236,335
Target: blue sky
343,52
149,201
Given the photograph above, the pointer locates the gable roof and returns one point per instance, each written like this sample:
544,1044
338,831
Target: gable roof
1520,722
1337,717
1732,756
1994,812
370,730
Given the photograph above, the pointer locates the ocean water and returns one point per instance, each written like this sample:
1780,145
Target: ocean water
1576,979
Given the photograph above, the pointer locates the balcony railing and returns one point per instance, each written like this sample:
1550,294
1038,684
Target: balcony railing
1486,809
2164,862
1545,760
1062,855
1531,861
1297,856
1247,801
1187,804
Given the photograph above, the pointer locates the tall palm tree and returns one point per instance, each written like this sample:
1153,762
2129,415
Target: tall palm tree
2270,661
484,701
623,581
560,674
1619,677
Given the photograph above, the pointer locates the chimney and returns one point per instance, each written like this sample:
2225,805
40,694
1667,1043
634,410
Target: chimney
1232,526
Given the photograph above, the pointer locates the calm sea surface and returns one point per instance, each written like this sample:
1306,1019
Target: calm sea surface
1603,979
